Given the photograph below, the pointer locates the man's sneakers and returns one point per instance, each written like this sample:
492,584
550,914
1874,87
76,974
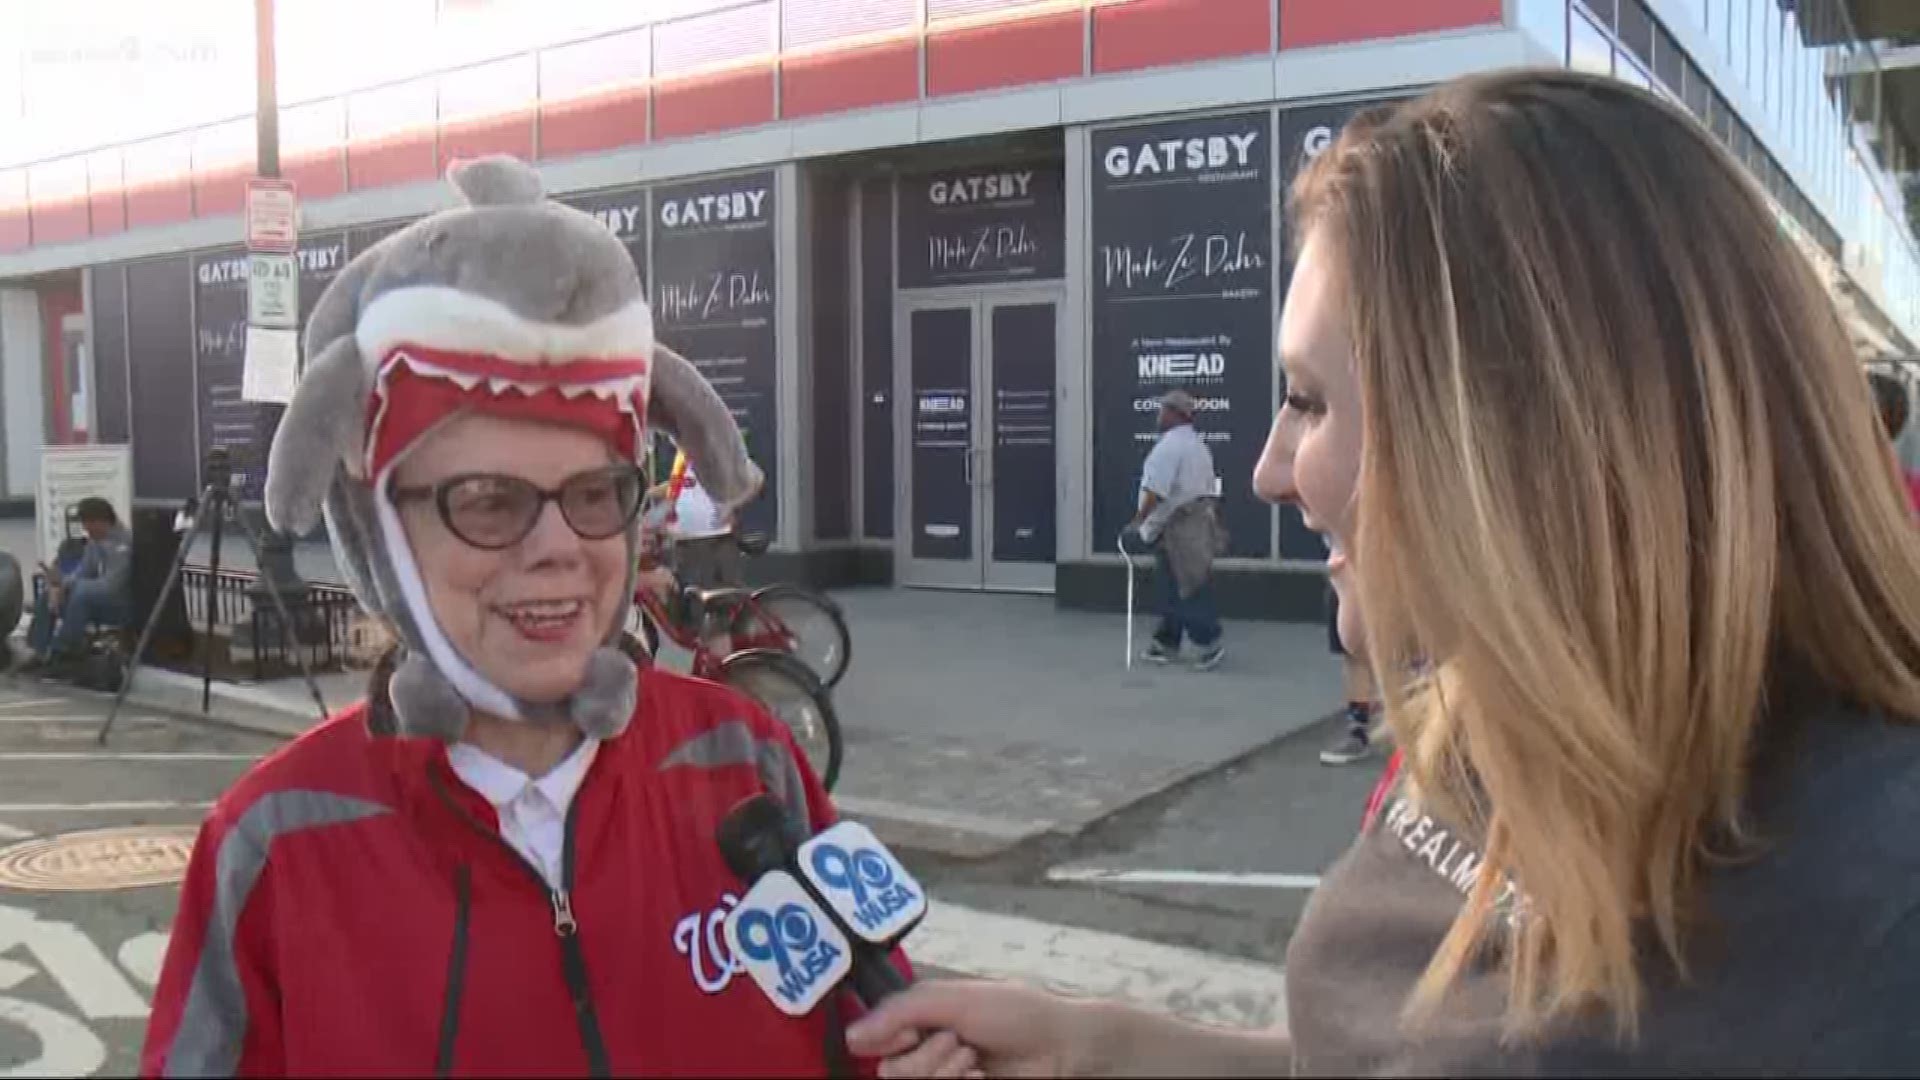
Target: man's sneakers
1356,744
1208,658
1352,747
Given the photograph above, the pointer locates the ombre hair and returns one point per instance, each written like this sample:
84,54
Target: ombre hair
1622,475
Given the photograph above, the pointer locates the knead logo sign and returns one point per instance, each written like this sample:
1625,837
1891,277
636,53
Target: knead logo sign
787,944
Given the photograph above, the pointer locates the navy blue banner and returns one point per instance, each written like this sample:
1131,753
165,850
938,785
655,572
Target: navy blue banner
1023,337
624,213
244,428
1182,263
981,224
941,344
714,303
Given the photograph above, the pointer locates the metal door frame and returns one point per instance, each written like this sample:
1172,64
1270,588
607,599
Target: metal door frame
981,571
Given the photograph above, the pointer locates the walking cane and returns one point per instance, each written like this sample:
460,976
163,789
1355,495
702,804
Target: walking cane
1127,557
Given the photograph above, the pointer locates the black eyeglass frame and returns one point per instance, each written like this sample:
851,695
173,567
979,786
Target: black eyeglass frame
442,491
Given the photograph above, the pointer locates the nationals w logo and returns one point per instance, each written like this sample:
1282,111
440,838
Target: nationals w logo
701,938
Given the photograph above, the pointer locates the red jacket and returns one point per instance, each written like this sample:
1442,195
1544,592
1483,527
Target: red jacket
352,909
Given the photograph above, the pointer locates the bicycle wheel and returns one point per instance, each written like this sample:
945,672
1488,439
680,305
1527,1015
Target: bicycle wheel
797,621
795,697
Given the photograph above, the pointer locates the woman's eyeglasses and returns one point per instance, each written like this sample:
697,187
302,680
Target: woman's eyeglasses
492,511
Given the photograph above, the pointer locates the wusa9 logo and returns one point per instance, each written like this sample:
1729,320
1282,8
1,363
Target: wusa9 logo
787,944
862,882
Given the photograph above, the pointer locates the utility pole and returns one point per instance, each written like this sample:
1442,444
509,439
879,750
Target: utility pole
277,571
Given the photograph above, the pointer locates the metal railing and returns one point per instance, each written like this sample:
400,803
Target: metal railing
324,622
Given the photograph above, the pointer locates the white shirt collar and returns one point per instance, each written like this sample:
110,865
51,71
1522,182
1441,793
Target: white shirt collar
500,783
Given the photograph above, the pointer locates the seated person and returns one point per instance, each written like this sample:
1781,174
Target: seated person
99,591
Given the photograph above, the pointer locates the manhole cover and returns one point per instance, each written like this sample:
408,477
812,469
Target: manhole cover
99,859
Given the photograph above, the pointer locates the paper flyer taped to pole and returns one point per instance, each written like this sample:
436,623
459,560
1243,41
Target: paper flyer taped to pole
272,365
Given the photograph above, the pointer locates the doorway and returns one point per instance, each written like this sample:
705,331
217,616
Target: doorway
976,385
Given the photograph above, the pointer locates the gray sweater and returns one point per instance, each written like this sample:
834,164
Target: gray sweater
1809,962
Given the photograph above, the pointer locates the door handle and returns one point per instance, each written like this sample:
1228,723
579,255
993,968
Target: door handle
969,466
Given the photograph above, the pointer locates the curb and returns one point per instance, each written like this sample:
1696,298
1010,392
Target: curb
244,708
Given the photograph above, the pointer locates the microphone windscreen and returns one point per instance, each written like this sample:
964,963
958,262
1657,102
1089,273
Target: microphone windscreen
753,837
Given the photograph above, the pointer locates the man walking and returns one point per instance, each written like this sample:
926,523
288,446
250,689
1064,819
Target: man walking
1177,516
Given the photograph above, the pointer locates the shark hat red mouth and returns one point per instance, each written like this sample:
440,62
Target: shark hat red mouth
420,388
437,352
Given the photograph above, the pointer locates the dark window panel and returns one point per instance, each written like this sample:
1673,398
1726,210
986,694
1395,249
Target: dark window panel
876,357
1668,62
1723,120
1698,95
1604,11
1636,29
832,361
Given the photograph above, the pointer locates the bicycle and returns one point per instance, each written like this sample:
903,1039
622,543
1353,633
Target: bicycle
737,639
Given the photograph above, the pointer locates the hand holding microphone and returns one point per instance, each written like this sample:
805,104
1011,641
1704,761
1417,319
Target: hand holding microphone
825,912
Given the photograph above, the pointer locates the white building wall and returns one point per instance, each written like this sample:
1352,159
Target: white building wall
22,404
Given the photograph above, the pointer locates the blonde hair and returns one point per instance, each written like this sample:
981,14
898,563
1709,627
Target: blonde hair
1622,474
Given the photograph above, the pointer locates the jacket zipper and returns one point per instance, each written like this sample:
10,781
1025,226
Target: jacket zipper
456,971
573,961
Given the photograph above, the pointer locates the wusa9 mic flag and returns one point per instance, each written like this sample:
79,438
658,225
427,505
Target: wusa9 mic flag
1183,298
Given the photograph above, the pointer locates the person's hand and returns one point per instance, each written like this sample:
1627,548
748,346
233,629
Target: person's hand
982,1028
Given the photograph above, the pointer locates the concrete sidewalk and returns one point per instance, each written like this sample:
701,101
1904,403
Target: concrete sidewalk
973,722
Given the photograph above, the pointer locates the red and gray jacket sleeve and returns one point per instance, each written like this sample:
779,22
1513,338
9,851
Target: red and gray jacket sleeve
216,1008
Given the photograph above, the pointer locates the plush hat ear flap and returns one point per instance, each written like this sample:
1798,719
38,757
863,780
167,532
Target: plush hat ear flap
685,406
321,430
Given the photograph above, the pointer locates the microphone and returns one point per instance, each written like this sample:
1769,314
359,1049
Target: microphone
820,912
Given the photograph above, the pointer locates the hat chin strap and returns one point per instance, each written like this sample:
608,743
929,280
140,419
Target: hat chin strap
470,684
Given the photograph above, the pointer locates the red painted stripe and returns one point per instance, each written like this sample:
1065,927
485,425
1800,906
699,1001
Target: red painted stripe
106,194
598,122
1328,22
845,79
700,105
317,176
402,159
217,192
1155,33
59,221
108,211
1031,49
510,134
159,203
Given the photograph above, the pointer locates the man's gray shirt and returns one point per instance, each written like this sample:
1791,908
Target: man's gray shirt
1179,469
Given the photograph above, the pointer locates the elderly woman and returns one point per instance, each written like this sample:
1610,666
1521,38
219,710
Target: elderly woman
504,860
1582,429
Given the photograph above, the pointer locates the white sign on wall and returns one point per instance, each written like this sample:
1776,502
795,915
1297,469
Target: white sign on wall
71,473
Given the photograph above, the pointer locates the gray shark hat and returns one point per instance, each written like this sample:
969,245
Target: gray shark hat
510,304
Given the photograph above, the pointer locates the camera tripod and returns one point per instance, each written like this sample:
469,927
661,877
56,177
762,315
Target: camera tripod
210,510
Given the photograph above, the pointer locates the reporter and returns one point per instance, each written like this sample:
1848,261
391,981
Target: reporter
1582,429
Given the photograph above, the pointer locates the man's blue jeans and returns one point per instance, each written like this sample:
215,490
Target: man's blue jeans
1192,616
87,603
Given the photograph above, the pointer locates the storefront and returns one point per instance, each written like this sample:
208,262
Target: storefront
941,279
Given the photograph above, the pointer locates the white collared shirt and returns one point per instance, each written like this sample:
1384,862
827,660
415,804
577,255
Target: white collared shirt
533,813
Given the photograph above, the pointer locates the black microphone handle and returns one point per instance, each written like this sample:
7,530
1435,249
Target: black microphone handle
874,977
